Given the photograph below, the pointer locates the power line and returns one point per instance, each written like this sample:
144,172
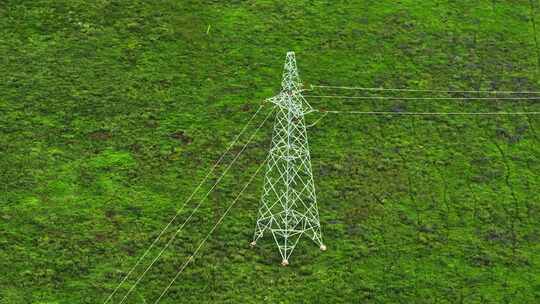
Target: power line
422,98
192,257
185,203
429,113
194,210
422,90
317,121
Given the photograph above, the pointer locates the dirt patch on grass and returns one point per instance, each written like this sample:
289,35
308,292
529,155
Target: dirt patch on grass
182,137
100,135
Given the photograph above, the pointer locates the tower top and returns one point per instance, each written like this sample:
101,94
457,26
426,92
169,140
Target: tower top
291,81
290,96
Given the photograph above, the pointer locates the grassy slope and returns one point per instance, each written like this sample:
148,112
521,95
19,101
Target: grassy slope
95,95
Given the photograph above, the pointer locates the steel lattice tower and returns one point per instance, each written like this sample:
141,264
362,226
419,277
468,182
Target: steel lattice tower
288,207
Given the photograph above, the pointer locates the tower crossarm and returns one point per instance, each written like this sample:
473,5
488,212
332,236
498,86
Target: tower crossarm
292,101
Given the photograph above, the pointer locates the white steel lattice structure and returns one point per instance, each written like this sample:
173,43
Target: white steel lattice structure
288,204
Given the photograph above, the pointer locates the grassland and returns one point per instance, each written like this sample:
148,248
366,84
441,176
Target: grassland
111,112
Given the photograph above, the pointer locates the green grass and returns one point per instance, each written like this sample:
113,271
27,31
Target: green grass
111,112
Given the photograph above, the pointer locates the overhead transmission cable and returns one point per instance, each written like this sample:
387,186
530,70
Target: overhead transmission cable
182,207
422,90
185,203
421,98
201,244
317,121
195,209
428,113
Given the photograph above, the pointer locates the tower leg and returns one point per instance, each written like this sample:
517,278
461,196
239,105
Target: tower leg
316,235
313,228
263,223
286,241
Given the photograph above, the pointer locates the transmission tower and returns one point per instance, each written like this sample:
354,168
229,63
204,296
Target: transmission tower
288,207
